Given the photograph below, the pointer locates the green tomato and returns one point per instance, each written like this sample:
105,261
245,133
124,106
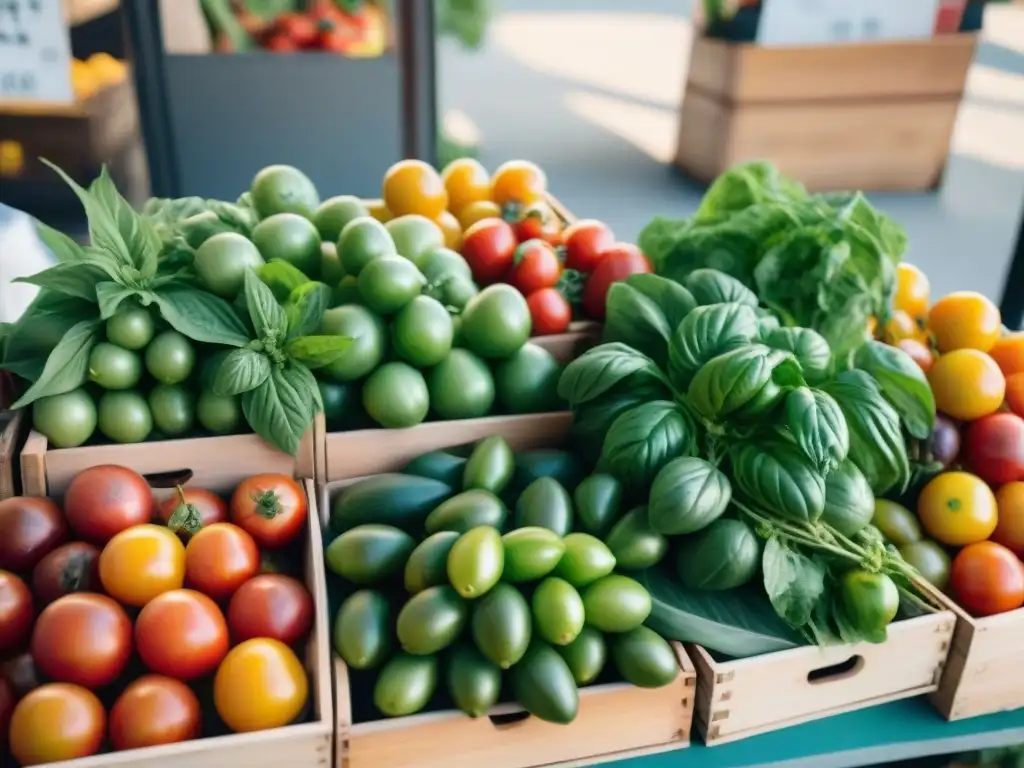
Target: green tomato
361,241
527,382
125,417
114,367
870,600
461,386
283,189
453,290
131,328
496,322
340,400
389,283
331,271
346,292
444,262
368,349
173,407
170,358
335,212
930,560
395,396
291,238
422,332
220,414
67,420
415,236
222,260
897,523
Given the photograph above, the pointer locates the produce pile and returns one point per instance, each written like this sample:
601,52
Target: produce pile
125,623
431,558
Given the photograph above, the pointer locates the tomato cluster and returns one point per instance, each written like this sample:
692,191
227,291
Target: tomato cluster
117,613
976,506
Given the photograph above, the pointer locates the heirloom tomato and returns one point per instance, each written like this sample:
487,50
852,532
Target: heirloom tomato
995,448
142,562
271,508
57,722
271,605
154,710
104,500
84,639
260,684
29,528
957,508
181,634
189,509
220,559
987,578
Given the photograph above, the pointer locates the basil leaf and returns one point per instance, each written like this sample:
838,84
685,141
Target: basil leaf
777,477
706,333
687,495
849,503
794,582
110,295
809,347
268,317
709,286
747,380
281,409
239,218
102,260
240,371
636,321
201,316
71,279
67,365
903,383
816,422
63,248
318,351
674,301
281,277
592,420
601,368
643,440
138,234
42,325
305,308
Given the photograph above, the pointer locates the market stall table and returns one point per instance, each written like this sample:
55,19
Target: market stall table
1013,294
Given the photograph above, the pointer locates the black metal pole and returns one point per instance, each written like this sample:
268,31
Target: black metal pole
1013,294
419,86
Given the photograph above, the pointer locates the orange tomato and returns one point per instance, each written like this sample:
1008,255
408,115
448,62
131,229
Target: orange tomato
902,326
1010,530
413,186
967,384
478,211
181,634
142,562
1015,393
85,639
154,710
964,320
57,722
451,229
912,290
957,508
1008,353
920,353
378,210
987,578
219,559
466,181
260,684
518,182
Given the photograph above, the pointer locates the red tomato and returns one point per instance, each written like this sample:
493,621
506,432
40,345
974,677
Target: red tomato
57,722
83,639
301,29
281,44
219,559
271,508
189,509
995,448
104,500
488,247
181,634
920,353
15,613
616,263
987,578
154,710
585,241
69,568
29,528
550,312
537,221
7,702
535,266
271,605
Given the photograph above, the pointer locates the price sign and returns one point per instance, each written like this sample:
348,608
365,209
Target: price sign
817,22
35,53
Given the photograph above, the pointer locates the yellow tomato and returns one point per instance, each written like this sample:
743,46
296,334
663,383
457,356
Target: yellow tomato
260,684
466,181
378,210
964,320
872,327
518,182
142,562
1008,352
478,211
1010,530
451,229
902,326
957,508
1015,393
967,384
413,186
912,290
57,722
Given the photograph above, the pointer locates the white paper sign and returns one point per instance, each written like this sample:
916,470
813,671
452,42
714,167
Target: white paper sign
816,22
35,52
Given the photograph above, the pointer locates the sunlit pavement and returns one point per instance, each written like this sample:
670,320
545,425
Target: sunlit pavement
591,91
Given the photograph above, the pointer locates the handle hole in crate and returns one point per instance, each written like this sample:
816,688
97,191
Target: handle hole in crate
508,719
169,479
841,671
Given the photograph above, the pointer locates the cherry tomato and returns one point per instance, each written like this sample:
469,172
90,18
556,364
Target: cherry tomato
957,508
300,28
585,241
281,44
912,291
1008,353
181,634
616,263
964,320
57,722
219,559
478,211
995,448
21,674
538,222
518,182
987,578
451,229
154,710
488,247
84,639
1010,530
413,186
198,508
271,605
69,568
902,326
466,182
29,528
535,266
16,613
550,311
967,384
1015,393
104,500
918,352
271,508
7,702
142,562
260,684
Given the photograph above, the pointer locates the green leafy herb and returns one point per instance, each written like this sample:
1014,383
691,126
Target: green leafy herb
903,383
643,439
601,368
794,583
818,426
634,319
777,477
708,332
66,366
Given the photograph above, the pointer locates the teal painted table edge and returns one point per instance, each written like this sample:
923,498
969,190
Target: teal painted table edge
899,731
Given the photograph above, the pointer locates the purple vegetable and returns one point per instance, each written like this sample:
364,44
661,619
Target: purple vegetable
944,442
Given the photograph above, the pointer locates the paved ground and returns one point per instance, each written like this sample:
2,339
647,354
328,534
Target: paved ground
591,92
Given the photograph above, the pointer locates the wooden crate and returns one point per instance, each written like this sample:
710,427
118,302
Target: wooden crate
581,336
13,429
745,697
860,116
211,467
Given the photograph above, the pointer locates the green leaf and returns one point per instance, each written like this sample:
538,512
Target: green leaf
268,317
110,296
794,583
777,478
305,308
70,279
903,383
138,235
282,277
809,347
745,185
706,333
658,236
40,328
643,440
67,366
710,286
635,320
201,316
849,503
674,301
318,351
241,371
282,408
599,369
818,426
687,495
63,248
747,381
238,218
592,420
